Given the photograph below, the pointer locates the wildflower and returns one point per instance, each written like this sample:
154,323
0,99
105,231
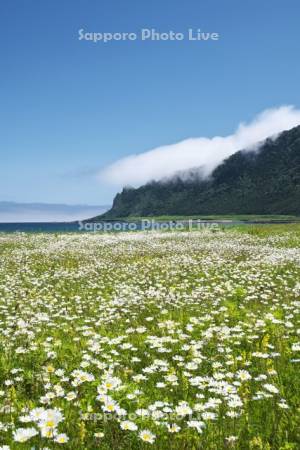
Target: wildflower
271,388
128,425
24,434
110,405
99,435
296,347
283,405
25,419
198,424
147,436
231,439
235,402
243,375
61,438
47,432
70,396
80,377
173,428
111,383
209,416
183,409
232,414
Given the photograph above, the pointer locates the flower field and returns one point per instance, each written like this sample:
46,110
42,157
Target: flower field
171,341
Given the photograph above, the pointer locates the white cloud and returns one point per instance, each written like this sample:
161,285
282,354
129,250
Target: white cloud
164,161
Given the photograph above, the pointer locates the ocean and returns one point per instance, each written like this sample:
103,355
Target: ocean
114,226
42,227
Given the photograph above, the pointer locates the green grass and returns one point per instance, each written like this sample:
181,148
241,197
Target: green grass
196,329
234,217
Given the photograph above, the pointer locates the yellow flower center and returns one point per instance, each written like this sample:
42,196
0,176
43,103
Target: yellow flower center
50,424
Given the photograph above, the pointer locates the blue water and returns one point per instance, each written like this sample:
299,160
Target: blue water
58,227
34,227
107,226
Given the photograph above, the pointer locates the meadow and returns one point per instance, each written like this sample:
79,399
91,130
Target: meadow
163,340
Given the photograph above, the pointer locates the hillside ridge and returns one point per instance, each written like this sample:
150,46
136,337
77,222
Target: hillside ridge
263,181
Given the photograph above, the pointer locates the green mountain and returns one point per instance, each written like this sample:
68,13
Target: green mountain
265,181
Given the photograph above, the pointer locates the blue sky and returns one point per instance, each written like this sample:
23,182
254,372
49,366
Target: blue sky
69,108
